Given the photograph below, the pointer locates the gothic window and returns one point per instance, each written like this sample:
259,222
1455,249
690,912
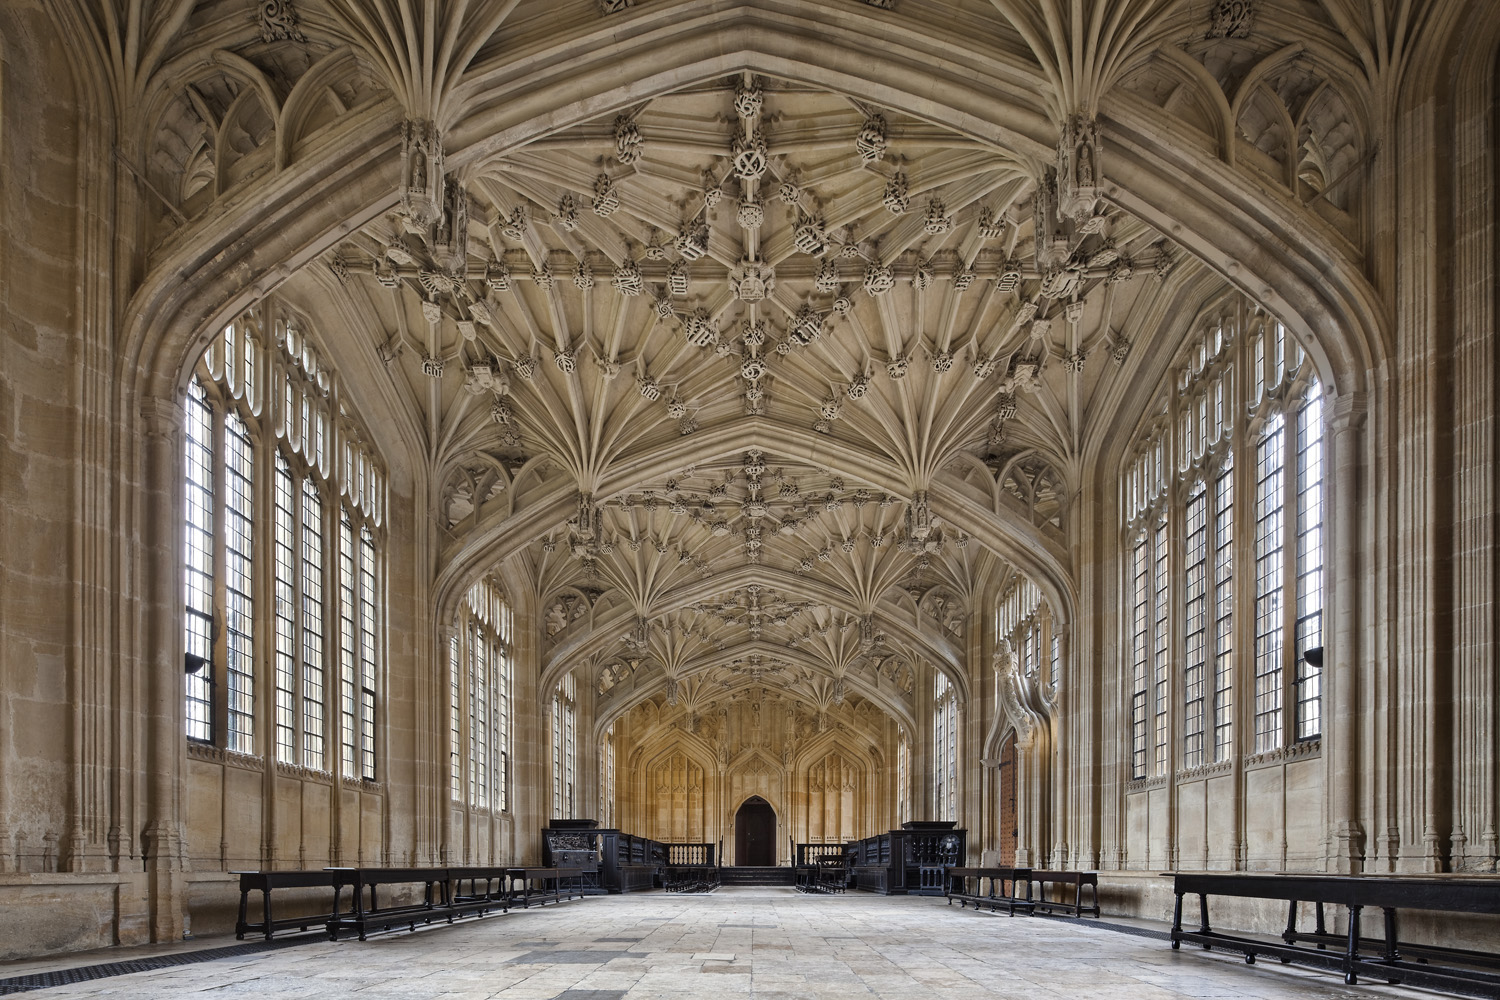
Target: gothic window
199,559
1147,644
239,603
285,567
1179,552
1024,621
1268,584
312,627
564,747
480,692
1161,665
1194,663
1223,604
235,545
903,778
358,628
945,749
607,779
1309,567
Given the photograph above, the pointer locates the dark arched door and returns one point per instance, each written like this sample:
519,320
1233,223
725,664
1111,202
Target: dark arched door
1008,812
755,833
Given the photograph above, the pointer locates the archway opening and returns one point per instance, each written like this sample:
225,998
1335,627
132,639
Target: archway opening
1009,826
755,834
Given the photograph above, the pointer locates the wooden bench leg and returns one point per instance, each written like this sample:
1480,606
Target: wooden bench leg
1351,953
239,923
1177,924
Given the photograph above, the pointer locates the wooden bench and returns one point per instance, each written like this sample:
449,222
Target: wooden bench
364,918
998,896
825,874
1077,880
542,883
1389,894
466,895
266,882
690,878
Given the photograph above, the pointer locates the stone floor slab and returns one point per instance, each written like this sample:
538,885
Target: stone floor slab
759,943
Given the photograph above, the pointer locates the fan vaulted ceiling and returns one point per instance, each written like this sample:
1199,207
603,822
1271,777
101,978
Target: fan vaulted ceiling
748,249
753,379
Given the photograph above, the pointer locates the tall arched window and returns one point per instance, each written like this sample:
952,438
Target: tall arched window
1024,621
944,749
480,698
607,778
903,778
321,624
564,747
1243,418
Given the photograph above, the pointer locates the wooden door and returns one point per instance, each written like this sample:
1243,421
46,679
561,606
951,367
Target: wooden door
755,833
1008,825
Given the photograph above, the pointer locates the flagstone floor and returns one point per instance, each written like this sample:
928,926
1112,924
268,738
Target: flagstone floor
761,943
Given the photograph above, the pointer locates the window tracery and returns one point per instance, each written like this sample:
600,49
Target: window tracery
944,748
481,699
564,747
1182,529
322,621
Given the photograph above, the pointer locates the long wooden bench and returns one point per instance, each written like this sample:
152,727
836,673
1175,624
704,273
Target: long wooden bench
543,883
267,882
1389,894
363,918
690,878
823,875
1011,899
1077,880
478,890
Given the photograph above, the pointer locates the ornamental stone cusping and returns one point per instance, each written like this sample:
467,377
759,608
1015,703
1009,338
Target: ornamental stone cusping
938,221
605,202
278,22
871,141
879,279
628,141
701,329
627,278
752,280
748,99
750,155
897,194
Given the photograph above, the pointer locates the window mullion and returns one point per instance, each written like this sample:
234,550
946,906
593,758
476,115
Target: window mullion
1242,519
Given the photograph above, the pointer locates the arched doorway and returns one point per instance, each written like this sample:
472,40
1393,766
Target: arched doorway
755,833
1008,825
